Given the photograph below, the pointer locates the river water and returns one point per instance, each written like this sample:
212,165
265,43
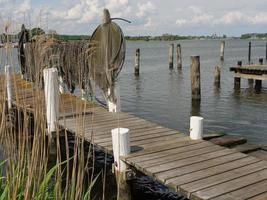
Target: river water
164,96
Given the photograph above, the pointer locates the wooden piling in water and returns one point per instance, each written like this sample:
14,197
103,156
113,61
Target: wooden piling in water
261,61
137,62
249,52
266,52
217,78
258,83
222,50
195,77
237,80
171,51
179,56
121,147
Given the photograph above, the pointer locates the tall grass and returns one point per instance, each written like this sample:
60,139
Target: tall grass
29,170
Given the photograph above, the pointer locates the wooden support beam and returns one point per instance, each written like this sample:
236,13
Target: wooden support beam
179,56
137,62
195,77
237,80
171,51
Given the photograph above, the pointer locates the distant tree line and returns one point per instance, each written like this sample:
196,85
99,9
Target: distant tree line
254,36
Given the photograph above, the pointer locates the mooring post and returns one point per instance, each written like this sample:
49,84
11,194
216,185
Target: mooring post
171,51
115,106
196,127
217,79
249,52
258,83
137,62
266,52
222,50
8,86
237,80
121,147
179,56
261,61
51,90
195,77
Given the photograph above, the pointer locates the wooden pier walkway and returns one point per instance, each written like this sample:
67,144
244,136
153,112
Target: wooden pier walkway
198,169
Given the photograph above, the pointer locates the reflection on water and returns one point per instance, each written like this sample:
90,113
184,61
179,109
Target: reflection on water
164,96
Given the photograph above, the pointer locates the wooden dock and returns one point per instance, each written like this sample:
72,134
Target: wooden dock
198,169
257,72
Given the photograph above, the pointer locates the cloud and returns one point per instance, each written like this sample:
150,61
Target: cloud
260,18
145,9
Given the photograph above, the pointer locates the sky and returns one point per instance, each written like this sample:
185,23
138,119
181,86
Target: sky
148,17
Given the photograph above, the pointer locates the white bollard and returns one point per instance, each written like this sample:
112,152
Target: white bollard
51,98
115,107
121,146
8,85
196,127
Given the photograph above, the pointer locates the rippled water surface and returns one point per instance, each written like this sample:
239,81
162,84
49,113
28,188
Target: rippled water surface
164,96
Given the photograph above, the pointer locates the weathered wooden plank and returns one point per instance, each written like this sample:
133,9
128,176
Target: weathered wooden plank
236,179
245,192
163,176
179,156
262,196
166,152
210,171
162,147
261,154
179,163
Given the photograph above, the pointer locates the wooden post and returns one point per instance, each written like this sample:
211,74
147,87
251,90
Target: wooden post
258,83
249,52
195,77
8,86
217,79
261,61
137,62
115,106
51,90
266,52
121,147
179,56
237,80
222,50
171,50
196,127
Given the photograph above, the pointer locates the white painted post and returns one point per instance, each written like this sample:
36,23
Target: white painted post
61,85
115,107
8,85
51,98
121,146
196,127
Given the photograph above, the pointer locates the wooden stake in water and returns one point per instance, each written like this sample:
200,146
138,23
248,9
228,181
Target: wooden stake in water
51,89
217,79
249,52
8,85
121,147
266,52
195,77
179,56
137,62
258,83
171,51
222,50
237,80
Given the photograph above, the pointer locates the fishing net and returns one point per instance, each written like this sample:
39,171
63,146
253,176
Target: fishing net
86,64
109,57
